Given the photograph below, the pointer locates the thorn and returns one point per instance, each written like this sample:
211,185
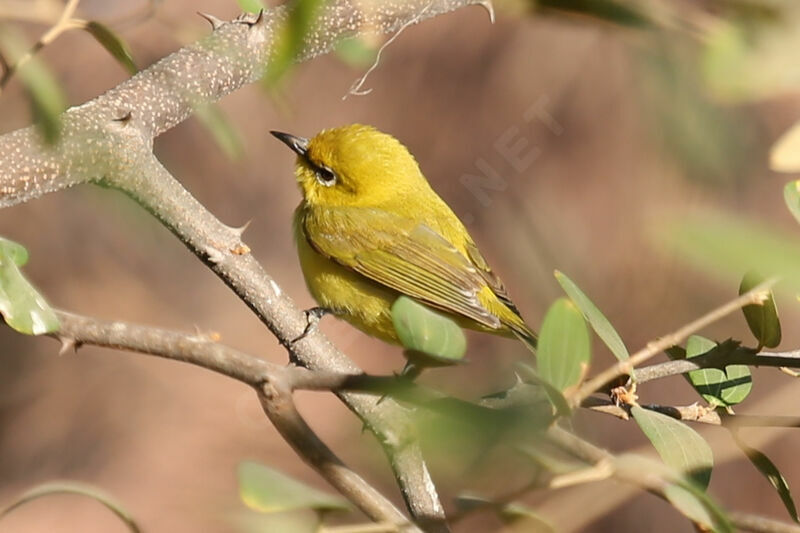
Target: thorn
214,21
313,317
489,7
123,116
259,17
67,344
251,19
241,229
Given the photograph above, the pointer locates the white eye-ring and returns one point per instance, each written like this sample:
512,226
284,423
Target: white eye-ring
325,176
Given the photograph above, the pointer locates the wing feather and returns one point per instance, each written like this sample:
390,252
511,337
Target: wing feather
402,254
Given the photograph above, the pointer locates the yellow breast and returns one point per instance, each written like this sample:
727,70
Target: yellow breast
349,295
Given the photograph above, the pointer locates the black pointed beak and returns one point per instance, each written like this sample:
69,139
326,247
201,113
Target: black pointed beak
298,144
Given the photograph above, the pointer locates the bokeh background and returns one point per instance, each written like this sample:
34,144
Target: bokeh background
619,128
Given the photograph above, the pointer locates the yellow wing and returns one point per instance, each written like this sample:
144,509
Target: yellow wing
404,255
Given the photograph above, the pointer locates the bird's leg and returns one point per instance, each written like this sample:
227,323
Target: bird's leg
313,317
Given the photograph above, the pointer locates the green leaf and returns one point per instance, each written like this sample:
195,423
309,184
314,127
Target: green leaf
250,6
725,246
678,445
690,506
564,347
222,130
596,319
290,38
785,153
16,252
746,59
719,388
524,518
247,521
771,472
44,92
622,13
356,52
73,487
22,307
424,330
791,195
684,494
268,491
529,374
113,43
762,319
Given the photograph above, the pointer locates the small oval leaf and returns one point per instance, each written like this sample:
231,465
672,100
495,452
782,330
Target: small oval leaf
524,518
222,130
785,153
762,319
250,6
791,195
720,389
679,446
16,252
113,44
771,472
268,491
357,52
684,494
43,90
81,489
423,330
290,38
690,506
21,306
595,317
564,345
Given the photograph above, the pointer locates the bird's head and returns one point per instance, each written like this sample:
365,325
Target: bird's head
353,165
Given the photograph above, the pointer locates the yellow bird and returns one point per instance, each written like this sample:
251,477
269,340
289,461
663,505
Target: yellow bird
370,228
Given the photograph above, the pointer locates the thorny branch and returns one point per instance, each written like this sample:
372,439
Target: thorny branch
757,296
109,139
273,383
718,359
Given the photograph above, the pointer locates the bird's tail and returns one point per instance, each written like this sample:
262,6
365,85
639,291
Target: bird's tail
525,334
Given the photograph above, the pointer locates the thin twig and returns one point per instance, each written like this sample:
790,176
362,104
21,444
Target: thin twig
761,524
714,359
218,246
355,89
271,381
276,400
756,296
196,349
64,23
695,413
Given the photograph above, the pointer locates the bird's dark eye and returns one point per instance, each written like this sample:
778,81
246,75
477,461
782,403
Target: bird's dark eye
325,176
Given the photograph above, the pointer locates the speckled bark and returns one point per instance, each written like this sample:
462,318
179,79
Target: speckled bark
110,139
165,94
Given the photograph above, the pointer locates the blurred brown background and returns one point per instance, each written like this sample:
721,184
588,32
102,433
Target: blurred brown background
605,160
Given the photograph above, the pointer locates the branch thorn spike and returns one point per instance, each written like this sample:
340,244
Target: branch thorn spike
67,344
214,21
123,116
259,17
489,7
241,229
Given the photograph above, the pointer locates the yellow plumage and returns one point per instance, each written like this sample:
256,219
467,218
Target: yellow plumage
370,228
